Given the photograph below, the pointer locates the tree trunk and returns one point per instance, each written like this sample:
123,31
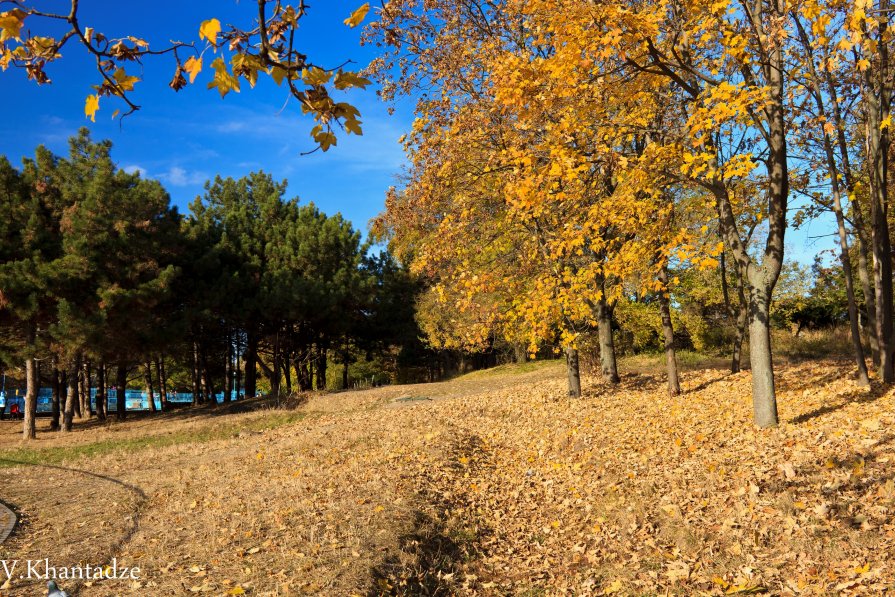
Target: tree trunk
345,356
674,386
56,410
251,375
857,344
876,96
84,390
303,371
121,390
71,397
29,428
882,282
162,382
228,369
287,367
321,368
275,373
764,402
520,353
740,316
835,182
608,365
150,391
238,372
207,381
79,381
101,391
574,372
197,389
736,361
868,292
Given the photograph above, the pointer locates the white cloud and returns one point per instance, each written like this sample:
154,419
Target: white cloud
134,168
178,177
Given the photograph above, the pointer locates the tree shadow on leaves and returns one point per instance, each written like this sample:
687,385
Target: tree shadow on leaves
431,559
433,552
876,392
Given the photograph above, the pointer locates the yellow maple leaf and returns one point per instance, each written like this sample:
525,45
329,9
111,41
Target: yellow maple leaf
11,24
124,80
346,79
91,106
278,73
353,125
358,15
315,76
209,30
223,80
193,66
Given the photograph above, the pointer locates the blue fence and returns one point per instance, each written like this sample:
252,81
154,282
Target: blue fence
134,400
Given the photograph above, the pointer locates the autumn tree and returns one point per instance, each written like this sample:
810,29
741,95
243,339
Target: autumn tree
726,67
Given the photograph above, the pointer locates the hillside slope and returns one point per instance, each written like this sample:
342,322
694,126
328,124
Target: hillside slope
490,484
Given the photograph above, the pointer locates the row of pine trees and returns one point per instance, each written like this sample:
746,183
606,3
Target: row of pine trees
103,283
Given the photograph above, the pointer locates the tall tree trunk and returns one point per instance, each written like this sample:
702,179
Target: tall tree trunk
674,386
162,382
742,323
121,390
207,381
321,368
346,354
608,365
764,403
876,96
833,170
287,367
197,388
71,396
520,353
882,273
303,370
251,358
84,389
854,325
228,369
238,372
101,390
79,380
867,290
573,371
55,408
29,428
150,391
276,374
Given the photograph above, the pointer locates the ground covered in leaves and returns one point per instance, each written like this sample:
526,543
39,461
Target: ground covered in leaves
492,484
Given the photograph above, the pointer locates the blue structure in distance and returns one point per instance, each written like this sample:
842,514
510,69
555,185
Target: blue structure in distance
135,400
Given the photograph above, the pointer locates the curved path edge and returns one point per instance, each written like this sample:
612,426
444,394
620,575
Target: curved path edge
7,522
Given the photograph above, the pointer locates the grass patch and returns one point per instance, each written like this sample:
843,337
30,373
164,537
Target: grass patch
812,344
512,369
207,433
687,360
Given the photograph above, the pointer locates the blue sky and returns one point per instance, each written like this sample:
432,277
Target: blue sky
185,138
